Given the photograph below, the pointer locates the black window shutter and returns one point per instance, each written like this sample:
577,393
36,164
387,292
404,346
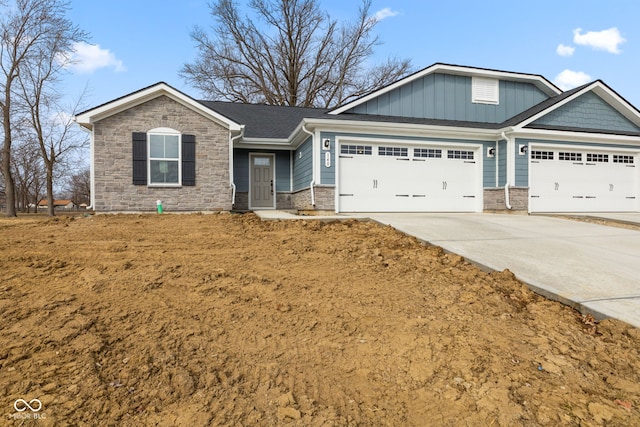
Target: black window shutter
189,160
139,158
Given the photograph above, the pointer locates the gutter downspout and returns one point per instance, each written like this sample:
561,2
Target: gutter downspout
92,178
231,177
506,185
313,169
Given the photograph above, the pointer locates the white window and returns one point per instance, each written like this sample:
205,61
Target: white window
485,91
164,157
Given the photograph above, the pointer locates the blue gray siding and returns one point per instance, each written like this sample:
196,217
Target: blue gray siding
588,111
241,168
522,165
328,174
302,165
489,167
502,163
448,97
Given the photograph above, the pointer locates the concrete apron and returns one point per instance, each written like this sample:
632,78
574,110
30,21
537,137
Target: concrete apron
592,268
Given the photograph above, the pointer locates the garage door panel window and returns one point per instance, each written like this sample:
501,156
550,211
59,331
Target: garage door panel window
597,158
569,156
365,150
621,158
393,151
429,153
460,154
542,155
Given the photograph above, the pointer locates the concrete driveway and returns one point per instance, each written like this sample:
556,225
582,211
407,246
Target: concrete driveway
593,268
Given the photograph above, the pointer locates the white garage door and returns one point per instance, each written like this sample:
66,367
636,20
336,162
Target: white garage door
393,178
582,181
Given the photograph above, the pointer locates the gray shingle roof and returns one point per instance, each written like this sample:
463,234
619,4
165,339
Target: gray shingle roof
278,122
264,121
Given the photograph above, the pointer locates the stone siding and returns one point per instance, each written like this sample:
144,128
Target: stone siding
518,197
324,198
114,189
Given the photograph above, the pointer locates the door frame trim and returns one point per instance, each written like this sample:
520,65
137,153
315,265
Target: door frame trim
252,155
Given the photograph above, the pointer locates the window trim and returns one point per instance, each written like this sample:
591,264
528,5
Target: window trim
164,132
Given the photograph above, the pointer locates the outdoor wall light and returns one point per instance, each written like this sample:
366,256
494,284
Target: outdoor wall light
491,151
522,149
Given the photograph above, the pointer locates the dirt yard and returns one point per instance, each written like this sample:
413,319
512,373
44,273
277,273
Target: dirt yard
197,320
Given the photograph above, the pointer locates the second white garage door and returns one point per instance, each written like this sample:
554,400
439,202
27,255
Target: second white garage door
395,178
570,180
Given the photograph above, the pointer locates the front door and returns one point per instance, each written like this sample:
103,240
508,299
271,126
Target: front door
262,191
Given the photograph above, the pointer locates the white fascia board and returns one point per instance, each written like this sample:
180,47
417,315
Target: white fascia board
543,84
554,135
263,144
617,102
126,102
402,129
604,92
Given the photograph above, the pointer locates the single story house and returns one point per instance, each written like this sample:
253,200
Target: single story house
57,204
448,138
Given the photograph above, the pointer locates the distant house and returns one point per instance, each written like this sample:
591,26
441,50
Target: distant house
448,138
57,204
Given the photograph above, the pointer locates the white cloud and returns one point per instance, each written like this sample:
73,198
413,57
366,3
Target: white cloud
608,40
385,13
564,50
86,58
569,79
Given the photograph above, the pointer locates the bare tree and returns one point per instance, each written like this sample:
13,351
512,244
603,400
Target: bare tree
31,31
28,172
294,54
56,135
79,187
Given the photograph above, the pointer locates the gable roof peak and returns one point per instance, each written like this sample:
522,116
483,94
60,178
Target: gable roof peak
88,117
539,81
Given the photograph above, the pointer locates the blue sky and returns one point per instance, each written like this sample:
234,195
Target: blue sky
136,43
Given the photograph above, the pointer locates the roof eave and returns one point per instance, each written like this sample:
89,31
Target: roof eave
402,128
574,136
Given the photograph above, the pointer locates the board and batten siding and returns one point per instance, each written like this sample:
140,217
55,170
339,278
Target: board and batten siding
502,163
522,164
488,166
328,174
588,111
448,97
302,165
241,168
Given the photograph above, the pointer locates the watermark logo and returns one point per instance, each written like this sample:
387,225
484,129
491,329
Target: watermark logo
28,410
21,405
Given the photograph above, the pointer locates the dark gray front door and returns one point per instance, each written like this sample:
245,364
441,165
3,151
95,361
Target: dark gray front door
262,185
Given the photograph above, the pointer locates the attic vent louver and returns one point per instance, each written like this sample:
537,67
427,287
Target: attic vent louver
485,91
